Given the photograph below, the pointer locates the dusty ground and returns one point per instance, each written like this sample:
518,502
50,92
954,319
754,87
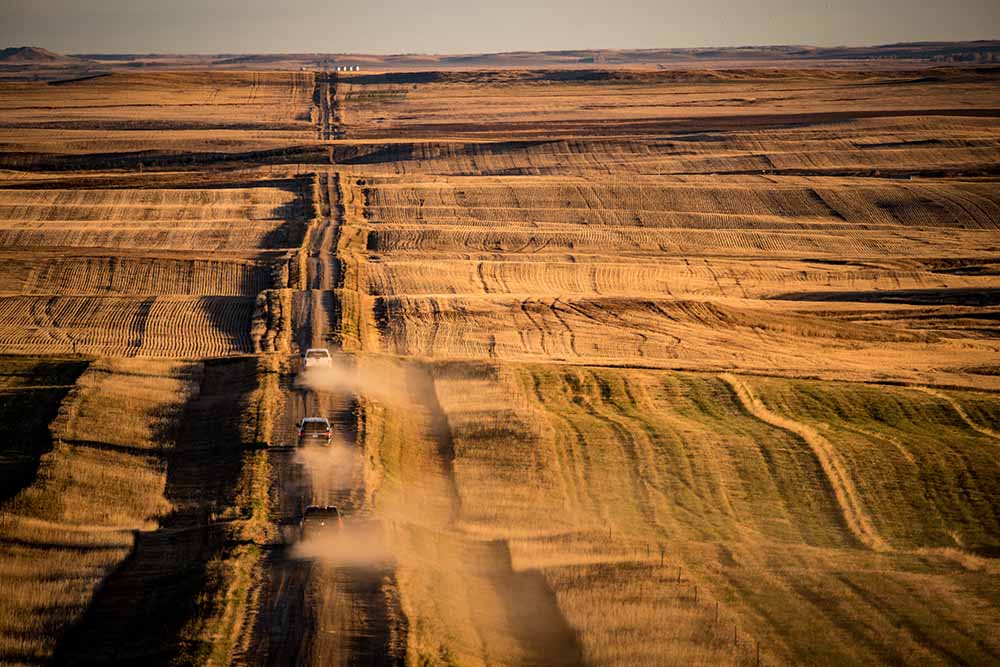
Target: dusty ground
631,367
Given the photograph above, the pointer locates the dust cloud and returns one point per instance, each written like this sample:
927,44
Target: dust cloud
359,543
345,377
330,469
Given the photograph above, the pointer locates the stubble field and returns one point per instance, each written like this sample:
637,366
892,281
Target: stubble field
630,367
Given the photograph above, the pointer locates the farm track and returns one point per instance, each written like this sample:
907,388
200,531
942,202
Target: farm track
325,97
311,611
839,478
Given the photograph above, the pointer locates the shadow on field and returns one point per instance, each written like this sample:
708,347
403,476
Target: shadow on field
957,296
25,415
138,612
296,214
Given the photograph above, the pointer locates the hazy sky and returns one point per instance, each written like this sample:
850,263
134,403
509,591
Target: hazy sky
457,26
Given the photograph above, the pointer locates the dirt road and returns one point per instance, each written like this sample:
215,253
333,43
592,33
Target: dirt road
319,608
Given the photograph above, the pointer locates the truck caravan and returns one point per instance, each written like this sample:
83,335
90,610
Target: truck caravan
348,68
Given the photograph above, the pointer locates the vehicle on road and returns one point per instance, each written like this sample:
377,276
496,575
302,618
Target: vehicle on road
317,357
320,520
315,431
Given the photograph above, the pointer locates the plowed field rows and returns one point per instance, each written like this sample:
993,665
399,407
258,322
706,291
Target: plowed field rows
118,326
579,275
180,111
543,105
219,219
703,252
688,242
687,334
900,146
745,204
130,275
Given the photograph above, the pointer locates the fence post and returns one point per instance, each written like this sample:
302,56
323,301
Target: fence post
758,653
678,575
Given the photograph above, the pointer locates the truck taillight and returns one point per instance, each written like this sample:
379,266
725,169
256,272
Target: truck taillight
301,433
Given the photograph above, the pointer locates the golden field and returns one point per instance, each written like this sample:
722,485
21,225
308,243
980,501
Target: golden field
631,367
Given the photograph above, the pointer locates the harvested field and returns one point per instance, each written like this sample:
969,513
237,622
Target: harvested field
195,219
588,473
102,480
682,272
166,326
142,271
38,273
175,112
545,105
544,247
766,203
687,334
628,366
31,390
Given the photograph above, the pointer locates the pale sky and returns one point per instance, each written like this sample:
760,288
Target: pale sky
456,26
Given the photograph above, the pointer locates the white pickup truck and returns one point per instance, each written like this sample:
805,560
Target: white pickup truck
317,357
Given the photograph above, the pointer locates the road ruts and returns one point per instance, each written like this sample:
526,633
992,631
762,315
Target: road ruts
325,98
310,611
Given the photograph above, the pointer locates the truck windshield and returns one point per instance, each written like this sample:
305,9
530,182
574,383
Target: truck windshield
314,427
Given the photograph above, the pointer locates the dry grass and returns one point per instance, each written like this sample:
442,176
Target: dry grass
158,112
588,472
539,105
463,601
922,473
519,258
103,480
165,326
194,219
31,391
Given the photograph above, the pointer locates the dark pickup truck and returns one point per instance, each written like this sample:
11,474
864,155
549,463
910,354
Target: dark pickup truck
315,431
319,520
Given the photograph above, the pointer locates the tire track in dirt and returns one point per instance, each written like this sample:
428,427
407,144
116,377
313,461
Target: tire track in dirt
837,475
985,430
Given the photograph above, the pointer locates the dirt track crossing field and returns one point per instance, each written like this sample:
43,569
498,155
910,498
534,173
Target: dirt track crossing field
317,610
629,367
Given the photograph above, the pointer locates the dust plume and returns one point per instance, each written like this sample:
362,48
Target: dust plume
359,543
345,377
330,469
